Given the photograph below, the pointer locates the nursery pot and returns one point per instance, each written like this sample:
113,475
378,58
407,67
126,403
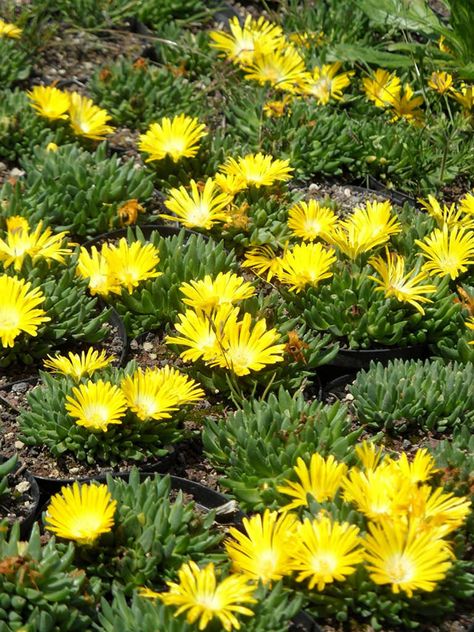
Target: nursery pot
165,230
397,197
355,359
26,522
302,622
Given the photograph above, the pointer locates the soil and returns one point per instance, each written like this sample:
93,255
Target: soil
345,196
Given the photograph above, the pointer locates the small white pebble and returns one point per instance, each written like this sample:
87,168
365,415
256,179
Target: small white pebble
19,445
147,346
152,356
22,487
347,192
349,397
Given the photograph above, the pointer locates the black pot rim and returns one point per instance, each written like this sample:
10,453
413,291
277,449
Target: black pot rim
361,358
27,522
165,230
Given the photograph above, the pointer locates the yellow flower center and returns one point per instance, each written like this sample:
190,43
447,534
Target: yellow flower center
267,563
324,563
241,359
86,524
399,569
146,406
209,601
9,317
174,146
96,414
199,214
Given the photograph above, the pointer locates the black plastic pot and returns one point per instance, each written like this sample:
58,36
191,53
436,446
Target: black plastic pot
338,384
304,623
355,359
165,230
397,197
27,522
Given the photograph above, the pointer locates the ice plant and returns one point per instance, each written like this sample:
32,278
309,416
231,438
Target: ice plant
324,83
88,119
325,551
16,223
448,251
9,30
208,293
95,267
450,215
465,97
77,365
320,480
81,513
407,106
263,261
441,82
406,558
240,45
368,454
406,287
177,138
96,405
466,204
420,469
230,184
50,102
19,309
201,208
37,244
434,509
263,551
470,325
258,170
131,264
310,220
204,599
306,264
383,88
283,69
156,393
276,109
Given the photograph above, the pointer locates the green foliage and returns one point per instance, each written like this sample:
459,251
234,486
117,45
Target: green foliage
153,535
15,64
73,189
7,467
258,446
407,395
157,302
137,94
39,587
47,423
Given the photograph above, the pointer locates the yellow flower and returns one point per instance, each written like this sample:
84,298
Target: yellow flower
241,44
50,102
87,119
77,365
407,106
307,39
448,251
38,244
405,558
81,513
324,83
276,109
283,68
263,551
258,170
306,264
243,348
208,293
449,215
231,184
204,599
442,46
436,510
128,212
95,267
130,264
16,224
310,220
262,260
326,551
155,393
466,204
320,480
52,147
177,138
470,325
382,88
96,405
404,286
465,97
200,209
368,454
441,82
420,469
9,30
19,309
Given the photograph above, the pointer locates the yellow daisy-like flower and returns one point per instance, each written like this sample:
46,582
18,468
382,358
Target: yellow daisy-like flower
325,551
441,82
77,365
283,68
263,261
96,405
383,88
324,83
263,551
81,513
156,393
449,215
50,102
95,267
436,510
406,287
320,480
131,264
88,119
466,204
258,170
9,30
200,208
310,220
52,147
38,244
231,184
177,138
276,109
19,311
368,454
244,348
465,97
448,251
407,106
420,469
406,558
241,44
208,294
204,599
306,264
16,223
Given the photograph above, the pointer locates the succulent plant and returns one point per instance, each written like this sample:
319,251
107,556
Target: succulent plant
258,446
407,395
6,468
40,589
73,189
15,63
